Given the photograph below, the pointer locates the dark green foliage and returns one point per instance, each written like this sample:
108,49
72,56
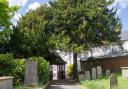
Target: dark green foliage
6,14
30,35
12,67
16,68
43,69
81,24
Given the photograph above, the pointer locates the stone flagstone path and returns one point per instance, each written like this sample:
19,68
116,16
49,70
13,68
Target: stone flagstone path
63,84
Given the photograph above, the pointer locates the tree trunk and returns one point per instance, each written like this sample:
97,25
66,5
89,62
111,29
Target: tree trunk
75,72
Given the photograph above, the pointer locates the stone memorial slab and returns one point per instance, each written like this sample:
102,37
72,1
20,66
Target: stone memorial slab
82,77
107,72
113,81
31,73
93,73
99,72
87,75
125,72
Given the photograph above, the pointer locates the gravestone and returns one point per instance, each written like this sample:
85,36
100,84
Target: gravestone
107,72
113,81
31,75
99,72
81,77
125,72
87,75
93,73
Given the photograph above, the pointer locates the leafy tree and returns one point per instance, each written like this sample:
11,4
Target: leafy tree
30,35
80,24
6,14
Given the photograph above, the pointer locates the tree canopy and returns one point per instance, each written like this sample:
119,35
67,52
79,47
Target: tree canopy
31,35
80,24
6,14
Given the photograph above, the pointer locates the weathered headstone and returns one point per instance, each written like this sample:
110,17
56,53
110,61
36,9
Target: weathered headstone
81,77
99,72
125,72
31,73
113,81
93,73
6,82
87,75
107,72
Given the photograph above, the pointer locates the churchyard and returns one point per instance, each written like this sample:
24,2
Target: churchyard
104,83
29,44
96,79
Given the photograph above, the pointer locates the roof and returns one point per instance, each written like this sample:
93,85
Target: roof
58,62
120,54
55,59
108,51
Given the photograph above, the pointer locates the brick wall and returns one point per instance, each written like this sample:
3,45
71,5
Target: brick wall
113,63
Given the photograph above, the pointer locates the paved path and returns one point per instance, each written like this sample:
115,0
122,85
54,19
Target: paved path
63,84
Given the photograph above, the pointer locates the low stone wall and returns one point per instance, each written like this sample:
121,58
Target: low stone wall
6,82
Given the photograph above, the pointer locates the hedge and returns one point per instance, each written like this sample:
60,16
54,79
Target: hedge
12,67
43,69
16,68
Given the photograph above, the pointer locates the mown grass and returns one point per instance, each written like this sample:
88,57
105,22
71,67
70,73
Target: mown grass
103,83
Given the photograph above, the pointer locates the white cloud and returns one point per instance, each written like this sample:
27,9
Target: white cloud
120,5
17,2
17,16
33,6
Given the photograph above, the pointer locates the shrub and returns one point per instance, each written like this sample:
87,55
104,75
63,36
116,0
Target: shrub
70,70
12,67
16,68
19,71
43,69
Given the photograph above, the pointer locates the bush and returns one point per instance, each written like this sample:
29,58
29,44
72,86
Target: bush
12,67
70,70
16,68
43,69
19,70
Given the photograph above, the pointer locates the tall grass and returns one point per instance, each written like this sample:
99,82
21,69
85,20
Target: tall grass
103,83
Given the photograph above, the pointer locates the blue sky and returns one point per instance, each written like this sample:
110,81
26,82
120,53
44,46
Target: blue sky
26,5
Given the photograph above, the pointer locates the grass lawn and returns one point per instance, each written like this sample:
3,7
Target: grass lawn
104,83
40,86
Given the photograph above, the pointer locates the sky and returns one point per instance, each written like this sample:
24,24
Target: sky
26,5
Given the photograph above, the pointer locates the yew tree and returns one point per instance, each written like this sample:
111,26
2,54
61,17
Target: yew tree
80,24
30,36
